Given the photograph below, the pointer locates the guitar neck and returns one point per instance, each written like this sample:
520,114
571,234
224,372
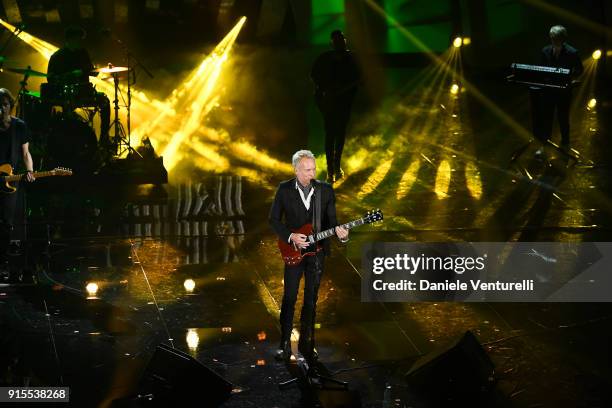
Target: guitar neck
332,231
38,174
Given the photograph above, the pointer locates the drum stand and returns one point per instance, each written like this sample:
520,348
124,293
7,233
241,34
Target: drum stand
120,137
20,96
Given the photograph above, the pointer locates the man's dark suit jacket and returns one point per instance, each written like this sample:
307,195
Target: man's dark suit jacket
288,211
568,58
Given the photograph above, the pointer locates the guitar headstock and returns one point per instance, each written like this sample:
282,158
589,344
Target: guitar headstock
61,171
373,216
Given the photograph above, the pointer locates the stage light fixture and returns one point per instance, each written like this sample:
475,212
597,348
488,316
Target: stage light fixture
189,285
457,42
596,54
467,40
592,103
92,289
192,339
454,89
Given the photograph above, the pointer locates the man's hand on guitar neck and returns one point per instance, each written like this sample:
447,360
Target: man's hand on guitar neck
342,234
30,176
298,240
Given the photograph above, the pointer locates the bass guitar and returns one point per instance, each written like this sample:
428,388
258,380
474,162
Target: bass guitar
7,176
293,256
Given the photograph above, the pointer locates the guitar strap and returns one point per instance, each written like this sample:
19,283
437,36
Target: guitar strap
14,144
316,222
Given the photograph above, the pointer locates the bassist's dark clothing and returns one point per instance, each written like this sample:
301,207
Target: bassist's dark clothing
11,142
288,212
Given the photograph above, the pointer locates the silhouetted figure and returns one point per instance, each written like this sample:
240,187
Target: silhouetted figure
336,76
562,55
70,67
14,150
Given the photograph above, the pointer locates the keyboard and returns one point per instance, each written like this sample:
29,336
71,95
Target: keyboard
540,76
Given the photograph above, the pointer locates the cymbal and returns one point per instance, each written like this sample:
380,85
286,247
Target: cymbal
27,71
111,70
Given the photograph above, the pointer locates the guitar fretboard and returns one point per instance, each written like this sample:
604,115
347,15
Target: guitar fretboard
39,174
332,231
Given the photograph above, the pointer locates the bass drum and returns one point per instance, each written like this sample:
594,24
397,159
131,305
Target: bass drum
71,143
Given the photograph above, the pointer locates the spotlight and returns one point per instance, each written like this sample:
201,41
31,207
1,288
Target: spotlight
457,42
454,89
596,54
92,289
192,339
592,103
467,40
189,285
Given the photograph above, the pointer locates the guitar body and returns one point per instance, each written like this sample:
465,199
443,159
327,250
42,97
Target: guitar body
6,170
292,256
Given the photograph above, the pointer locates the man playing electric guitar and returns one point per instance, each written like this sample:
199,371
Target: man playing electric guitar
295,205
14,147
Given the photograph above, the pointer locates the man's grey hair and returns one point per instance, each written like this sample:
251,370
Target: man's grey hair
299,155
558,32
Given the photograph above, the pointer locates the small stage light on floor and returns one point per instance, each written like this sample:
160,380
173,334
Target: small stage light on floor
454,89
92,290
592,103
467,40
189,285
457,42
596,54
192,339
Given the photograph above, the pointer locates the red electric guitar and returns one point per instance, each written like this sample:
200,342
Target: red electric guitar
293,255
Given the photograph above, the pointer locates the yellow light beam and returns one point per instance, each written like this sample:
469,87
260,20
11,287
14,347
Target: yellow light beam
376,178
408,179
443,178
141,104
473,181
520,130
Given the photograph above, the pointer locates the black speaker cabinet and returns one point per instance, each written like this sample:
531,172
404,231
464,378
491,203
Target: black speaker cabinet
174,378
460,368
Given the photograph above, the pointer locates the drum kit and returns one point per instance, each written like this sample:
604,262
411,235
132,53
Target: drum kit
61,119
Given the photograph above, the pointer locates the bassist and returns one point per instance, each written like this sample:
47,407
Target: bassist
14,147
295,205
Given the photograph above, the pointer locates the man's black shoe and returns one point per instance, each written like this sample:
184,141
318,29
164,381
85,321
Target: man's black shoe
339,175
284,351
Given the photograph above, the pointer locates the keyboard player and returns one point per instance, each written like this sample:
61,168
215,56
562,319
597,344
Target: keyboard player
557,54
